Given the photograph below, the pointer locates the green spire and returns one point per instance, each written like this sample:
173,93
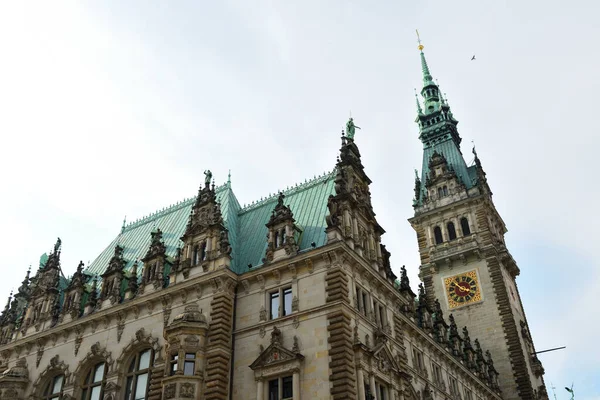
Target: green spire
419,110
427,78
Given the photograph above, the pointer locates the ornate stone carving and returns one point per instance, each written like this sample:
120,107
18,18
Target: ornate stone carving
262,315
169,392
295,304
187,390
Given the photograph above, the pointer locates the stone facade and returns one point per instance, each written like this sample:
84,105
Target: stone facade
321,316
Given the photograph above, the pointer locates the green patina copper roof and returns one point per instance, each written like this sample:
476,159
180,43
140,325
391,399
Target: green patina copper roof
247,230
438,132
135,237
308,203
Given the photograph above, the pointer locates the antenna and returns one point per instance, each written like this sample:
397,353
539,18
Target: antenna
553,391
419,40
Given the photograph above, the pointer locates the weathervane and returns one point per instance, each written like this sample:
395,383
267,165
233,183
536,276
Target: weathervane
419,40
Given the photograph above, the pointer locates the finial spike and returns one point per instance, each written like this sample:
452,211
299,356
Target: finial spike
419,110
419,40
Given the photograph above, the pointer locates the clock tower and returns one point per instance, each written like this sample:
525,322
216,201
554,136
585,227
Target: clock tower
464,260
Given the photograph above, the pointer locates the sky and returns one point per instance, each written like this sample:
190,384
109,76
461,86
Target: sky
112,109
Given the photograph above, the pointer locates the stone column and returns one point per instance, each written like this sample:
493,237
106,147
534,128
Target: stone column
259,389
373,388
296,385
361,384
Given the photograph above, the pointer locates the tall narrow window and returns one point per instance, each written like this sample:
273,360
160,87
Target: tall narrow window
189,364
274,301
437,232
440,193
464,225
203,251
173,362
445,190
196,255
54,387
138,376
276,239
287,301
365,303
451,231
93,385
282,236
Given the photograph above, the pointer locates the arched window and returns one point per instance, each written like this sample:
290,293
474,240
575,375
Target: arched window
451,231
93,385
437,232
464,225
138,376
445,190
440,193
53,390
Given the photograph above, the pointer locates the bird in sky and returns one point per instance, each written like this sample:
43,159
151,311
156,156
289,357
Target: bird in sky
473,58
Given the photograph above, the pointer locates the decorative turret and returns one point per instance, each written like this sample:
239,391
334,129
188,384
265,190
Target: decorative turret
206,239
74,293
283,237
132,284
155,262
43,305
92,300
112,278
351,217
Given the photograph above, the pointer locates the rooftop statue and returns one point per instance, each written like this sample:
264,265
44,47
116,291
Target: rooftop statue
207,177
351,129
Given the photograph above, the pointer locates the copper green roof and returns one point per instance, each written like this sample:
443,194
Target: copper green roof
247,230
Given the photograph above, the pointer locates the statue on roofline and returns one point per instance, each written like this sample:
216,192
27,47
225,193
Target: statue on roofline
207,177
351,129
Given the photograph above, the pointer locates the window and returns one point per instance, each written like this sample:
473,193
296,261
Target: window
93,385
437,373
468,394
287,301
281,388
189,364
138,376
196,255
440,193
53,390
453,385
173,362
437,232
445,190
451,231
203,251
276,239
280,302
418,362
464,225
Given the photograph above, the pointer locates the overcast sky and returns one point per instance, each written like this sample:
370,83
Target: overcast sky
115,108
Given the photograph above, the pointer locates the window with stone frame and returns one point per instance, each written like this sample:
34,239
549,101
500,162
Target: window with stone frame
138,375
453,383
436,371
418,360
53,389
380,314
437,233
280,302
451,231
464,226
362,304
383,391
189,364
468,393
281,388
94,383
173,362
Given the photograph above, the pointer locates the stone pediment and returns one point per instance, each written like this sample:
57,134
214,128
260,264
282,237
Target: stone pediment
275,354
384,359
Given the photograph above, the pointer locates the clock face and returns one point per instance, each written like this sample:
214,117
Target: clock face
462,289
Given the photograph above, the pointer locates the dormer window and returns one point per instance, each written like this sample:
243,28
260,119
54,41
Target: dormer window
437,233
203,251
451,231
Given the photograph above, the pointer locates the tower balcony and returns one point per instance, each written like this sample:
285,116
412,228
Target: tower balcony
458,249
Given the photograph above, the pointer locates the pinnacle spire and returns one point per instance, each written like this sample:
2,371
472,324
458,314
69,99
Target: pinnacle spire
419,110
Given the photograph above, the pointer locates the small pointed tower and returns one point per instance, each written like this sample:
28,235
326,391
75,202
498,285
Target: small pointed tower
112,279
283,237
206,240
156,265
44,293
351,217
72,305
464,260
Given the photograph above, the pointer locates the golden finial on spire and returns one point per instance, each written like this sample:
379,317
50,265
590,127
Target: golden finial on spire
419,40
